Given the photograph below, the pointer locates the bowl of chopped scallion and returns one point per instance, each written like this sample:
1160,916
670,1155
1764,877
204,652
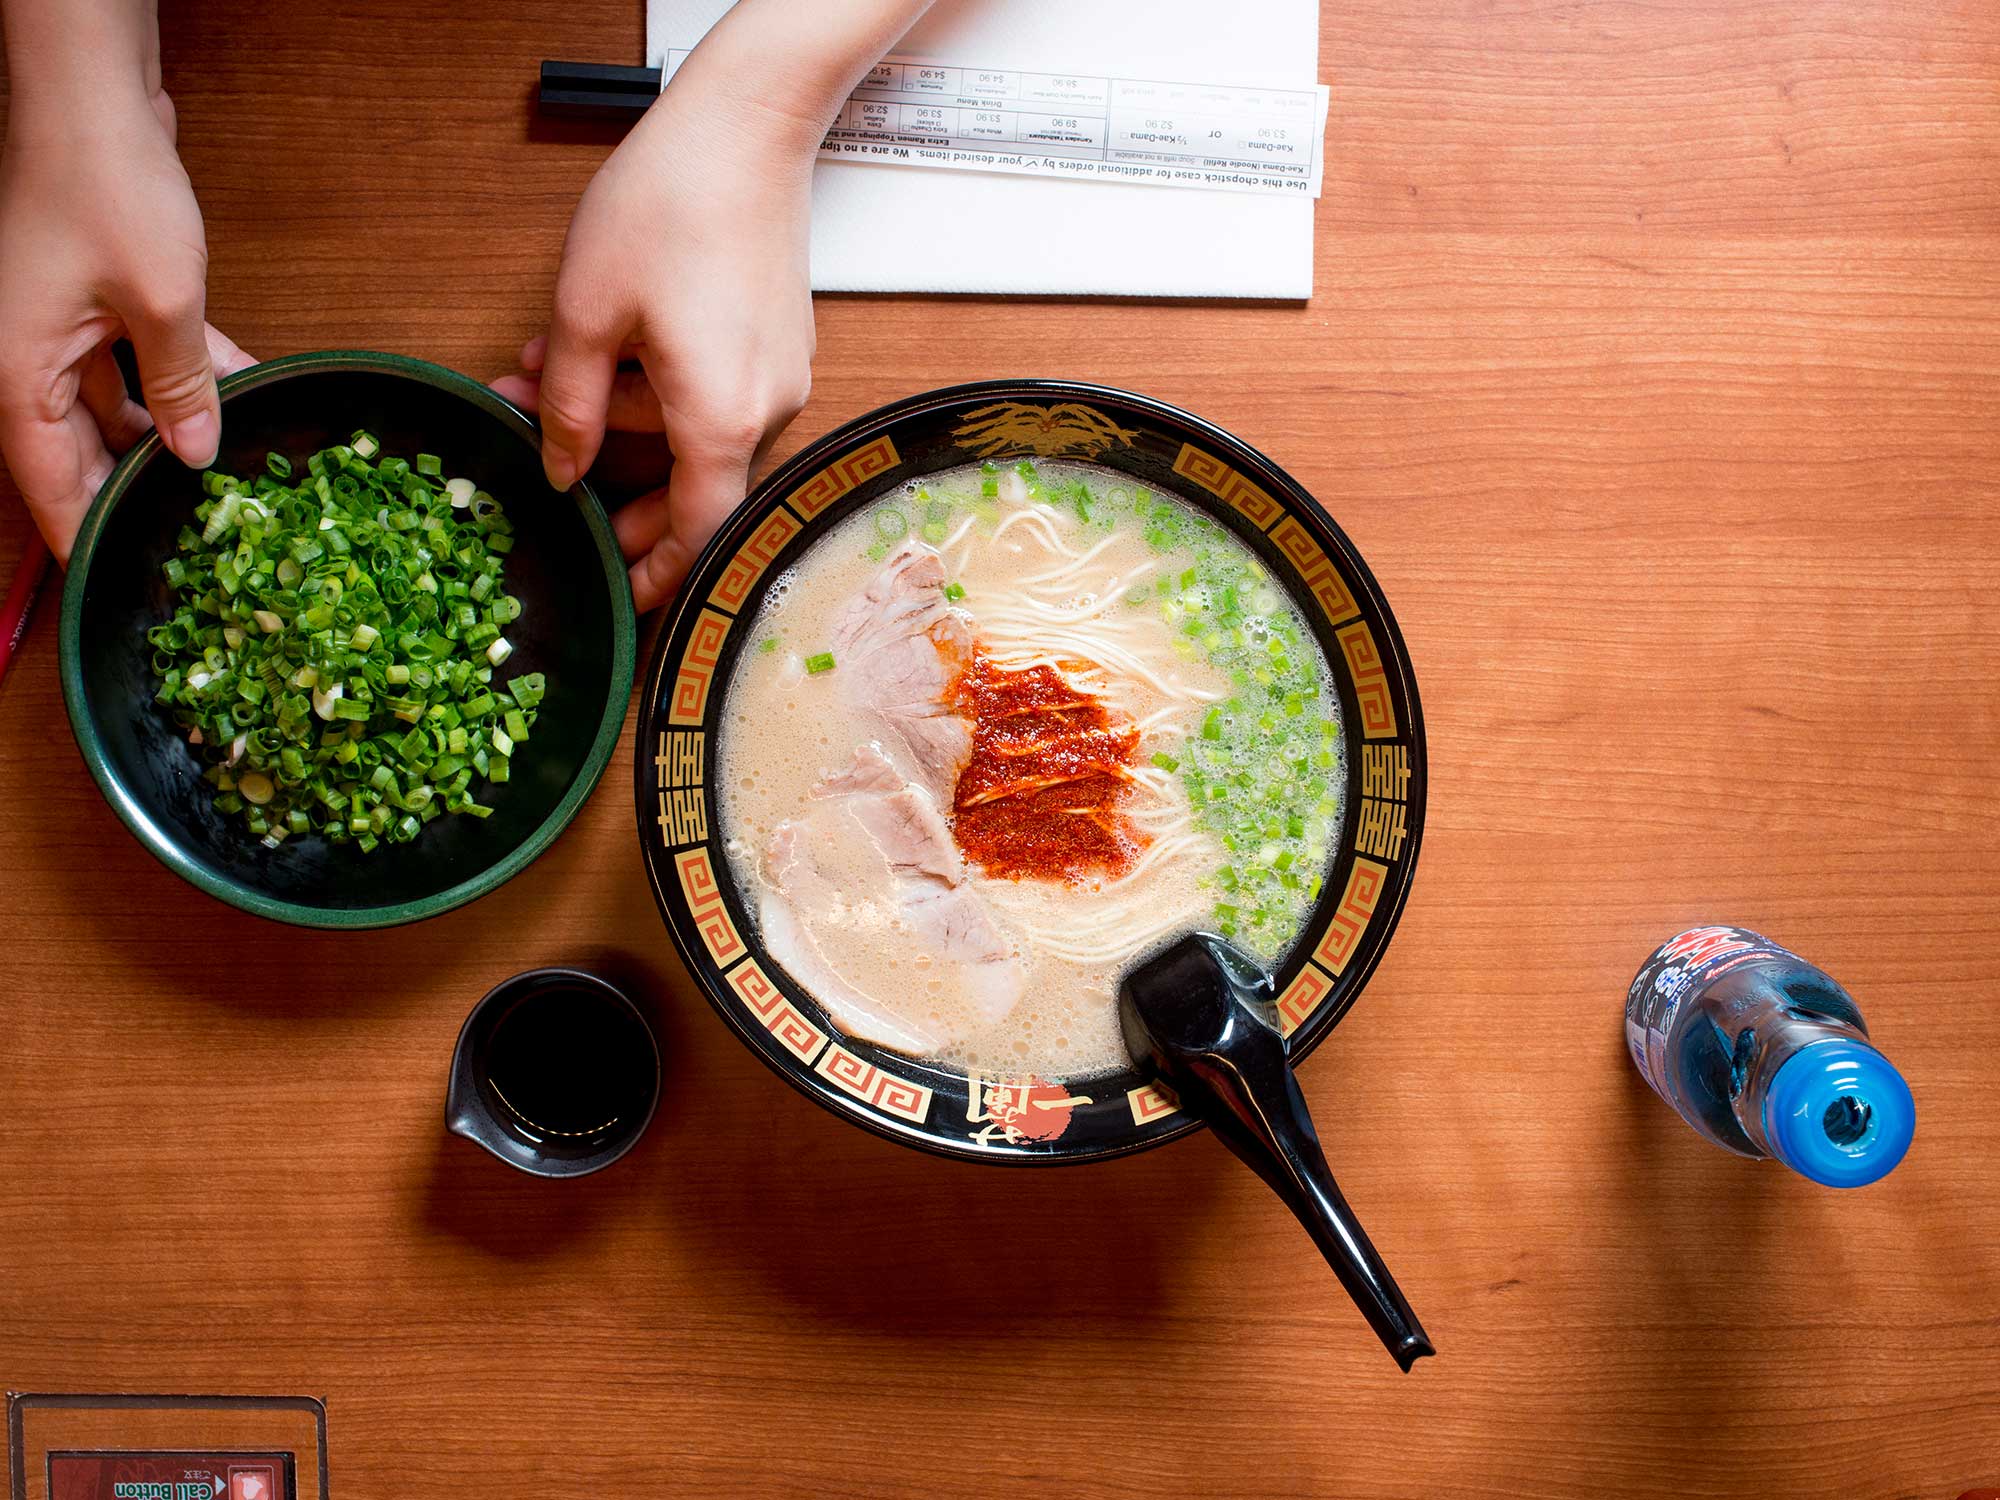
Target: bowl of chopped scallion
366,667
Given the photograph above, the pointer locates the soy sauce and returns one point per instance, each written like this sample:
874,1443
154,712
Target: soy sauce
568,1064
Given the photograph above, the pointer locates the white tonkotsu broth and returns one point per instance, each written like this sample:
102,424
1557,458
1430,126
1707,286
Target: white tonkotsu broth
1057,563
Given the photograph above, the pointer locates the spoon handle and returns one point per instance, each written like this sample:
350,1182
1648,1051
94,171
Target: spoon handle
1264,1121
1191,1019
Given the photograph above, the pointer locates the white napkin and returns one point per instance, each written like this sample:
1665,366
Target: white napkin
917,229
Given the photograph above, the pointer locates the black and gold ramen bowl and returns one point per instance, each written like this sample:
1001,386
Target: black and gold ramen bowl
928,1105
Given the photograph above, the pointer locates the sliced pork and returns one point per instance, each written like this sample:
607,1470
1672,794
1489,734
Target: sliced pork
836,937
865,903
900,646
903,822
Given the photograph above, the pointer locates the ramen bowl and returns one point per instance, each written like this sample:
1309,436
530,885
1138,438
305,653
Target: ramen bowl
576,627
929,1105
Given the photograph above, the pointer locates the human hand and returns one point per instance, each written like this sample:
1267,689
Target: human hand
102,238
687,254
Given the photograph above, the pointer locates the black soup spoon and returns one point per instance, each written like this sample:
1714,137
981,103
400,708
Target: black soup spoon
1193,1020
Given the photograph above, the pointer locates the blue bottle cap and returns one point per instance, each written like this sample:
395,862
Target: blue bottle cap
1839,1113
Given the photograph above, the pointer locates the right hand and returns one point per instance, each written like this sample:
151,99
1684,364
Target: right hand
102,238
687,253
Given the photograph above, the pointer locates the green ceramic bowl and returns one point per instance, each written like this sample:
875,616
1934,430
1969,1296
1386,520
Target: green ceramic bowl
577,627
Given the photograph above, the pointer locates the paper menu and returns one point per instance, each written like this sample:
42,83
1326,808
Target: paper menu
1205,137
886,228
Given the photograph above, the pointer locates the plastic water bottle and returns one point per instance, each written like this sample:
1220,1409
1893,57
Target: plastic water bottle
1766,1056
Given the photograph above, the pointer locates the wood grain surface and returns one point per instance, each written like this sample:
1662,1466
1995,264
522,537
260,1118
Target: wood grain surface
1654,364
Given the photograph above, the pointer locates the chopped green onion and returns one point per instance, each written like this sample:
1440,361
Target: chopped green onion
1165,761
325,641
954,590
819,661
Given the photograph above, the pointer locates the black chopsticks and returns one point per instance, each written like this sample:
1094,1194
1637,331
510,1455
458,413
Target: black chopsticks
597,89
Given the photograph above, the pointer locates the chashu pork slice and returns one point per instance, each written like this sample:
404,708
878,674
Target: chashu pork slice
860,884
900,645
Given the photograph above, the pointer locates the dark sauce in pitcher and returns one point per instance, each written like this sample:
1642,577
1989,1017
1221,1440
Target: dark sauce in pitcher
570,1064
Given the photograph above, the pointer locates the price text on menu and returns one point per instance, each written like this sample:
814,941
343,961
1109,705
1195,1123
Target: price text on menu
914,112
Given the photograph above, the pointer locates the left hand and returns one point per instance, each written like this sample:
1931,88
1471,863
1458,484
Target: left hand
687,254
102,239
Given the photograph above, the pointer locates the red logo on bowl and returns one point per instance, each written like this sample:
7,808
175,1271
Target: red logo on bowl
1022,1109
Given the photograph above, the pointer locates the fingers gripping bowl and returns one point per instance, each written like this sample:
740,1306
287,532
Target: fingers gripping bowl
563,574
1181,621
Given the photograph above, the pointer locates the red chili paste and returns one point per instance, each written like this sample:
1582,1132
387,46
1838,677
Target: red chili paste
1049,772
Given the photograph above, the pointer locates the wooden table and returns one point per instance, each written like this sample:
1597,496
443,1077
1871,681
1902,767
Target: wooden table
1654,364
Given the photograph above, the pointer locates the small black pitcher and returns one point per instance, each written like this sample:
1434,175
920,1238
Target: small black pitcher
556,1072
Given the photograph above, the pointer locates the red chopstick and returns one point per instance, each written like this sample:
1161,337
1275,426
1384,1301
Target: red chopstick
14,613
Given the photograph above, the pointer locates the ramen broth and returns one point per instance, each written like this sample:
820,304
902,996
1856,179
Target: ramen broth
1007,731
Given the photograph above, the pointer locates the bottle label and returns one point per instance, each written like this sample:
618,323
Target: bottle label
1680,968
